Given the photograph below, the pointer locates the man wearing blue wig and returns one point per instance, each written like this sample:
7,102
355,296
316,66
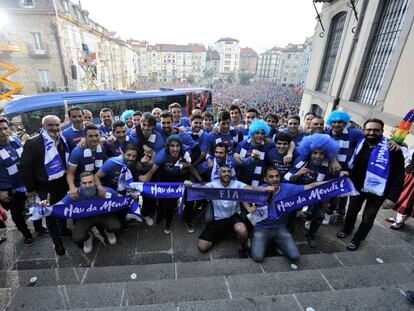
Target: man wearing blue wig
127,118
347,138
250,153
316,152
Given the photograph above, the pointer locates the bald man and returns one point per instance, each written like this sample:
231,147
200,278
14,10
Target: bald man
43,171
156,112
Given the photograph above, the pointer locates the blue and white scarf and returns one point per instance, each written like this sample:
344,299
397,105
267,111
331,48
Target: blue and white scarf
378,168
54,166
257,175
10,164
215,172
322,171
125,177
344,142
90,163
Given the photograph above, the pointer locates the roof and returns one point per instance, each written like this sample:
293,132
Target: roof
47,100
227,39
247,52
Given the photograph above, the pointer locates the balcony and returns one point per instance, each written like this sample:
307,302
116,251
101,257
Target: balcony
36,52
44,87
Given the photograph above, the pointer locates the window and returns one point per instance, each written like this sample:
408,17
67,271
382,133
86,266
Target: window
381,51
37,41
227,56
44,77
331,51
65,5
227,63
27,3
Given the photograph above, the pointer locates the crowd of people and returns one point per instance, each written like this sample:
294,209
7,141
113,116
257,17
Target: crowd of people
244,146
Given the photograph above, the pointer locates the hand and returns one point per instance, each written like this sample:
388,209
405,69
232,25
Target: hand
74,194
188,183
143,178
111,139
387,204
101,192
251,208
44,203
4,196
215,130
335,167
287,158
270,188
181,130
304,170
240,126
256,154
392,145
134,195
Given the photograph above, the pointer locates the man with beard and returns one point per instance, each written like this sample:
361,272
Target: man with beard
43,171
172,163
107,119
251,114
378,175
178,121
211,167
199,136
127,118
145,133
136,118
110,224
236,117
12,190
86,157
250,154
293,123
76,131
156,112
316,151
116,147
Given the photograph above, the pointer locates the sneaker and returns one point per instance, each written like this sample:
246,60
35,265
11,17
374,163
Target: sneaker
353,244
59,249
148,220
326,220
167,229
190,228
409,295
28,240
343,234
307,224
311,240
243,253
396,225
88,245
42,231
390,219
111,237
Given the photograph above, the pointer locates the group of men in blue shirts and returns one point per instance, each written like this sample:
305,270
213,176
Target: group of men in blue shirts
87,161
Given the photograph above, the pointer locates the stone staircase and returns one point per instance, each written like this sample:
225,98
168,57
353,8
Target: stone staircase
148,270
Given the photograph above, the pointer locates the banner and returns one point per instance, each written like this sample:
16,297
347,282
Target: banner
159,190
228,194
82,209
342,186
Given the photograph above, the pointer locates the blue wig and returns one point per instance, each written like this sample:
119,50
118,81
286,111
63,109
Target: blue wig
318,142
259,125
127,114
339,116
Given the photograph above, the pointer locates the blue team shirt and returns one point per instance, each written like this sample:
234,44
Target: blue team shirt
73,137
286,190
155,142
116,148
230,140
10,181
77,159
105,132
112,169
275,159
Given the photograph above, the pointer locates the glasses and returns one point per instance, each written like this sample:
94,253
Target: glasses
373,130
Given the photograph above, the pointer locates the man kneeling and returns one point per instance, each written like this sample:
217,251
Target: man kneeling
81,235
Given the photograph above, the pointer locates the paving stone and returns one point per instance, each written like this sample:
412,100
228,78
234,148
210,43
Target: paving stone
269,284
367,276
42,248
218,267
280,303
3,279
34,264
384,237
360,299
368,257
123,273
157,307
225,249
152,292
75,257
94,295
306,262
152,239
4,298
36,298
153,258
185,244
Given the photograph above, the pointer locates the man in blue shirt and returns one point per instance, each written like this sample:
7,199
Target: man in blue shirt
107,119
168,129
84,158
114,148
293,129
81,235
275,156
178,121
76,131
145,133
197,133
12,190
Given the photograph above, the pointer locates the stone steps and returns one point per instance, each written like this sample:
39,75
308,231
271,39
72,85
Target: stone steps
240,286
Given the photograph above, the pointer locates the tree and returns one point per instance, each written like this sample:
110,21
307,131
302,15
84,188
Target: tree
190,79
244,77
208,73
231,77
154,77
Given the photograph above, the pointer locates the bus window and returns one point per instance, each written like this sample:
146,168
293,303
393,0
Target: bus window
32,120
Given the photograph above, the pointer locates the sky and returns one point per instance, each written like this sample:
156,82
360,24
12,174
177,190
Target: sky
261,24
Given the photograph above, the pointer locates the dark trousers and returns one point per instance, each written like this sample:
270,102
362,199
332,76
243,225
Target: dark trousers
82,226
16,207
166,208
316,217
54,225
338,204
188,211
372,206
149,206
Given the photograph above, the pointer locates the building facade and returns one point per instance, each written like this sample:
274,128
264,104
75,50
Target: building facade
363,66
269,65
292,60
229,51
248,60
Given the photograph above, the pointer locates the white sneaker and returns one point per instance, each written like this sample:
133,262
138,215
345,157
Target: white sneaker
326,220
307,224
88,245
148,220
111,237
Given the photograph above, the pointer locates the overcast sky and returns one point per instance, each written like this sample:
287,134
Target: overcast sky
260,24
